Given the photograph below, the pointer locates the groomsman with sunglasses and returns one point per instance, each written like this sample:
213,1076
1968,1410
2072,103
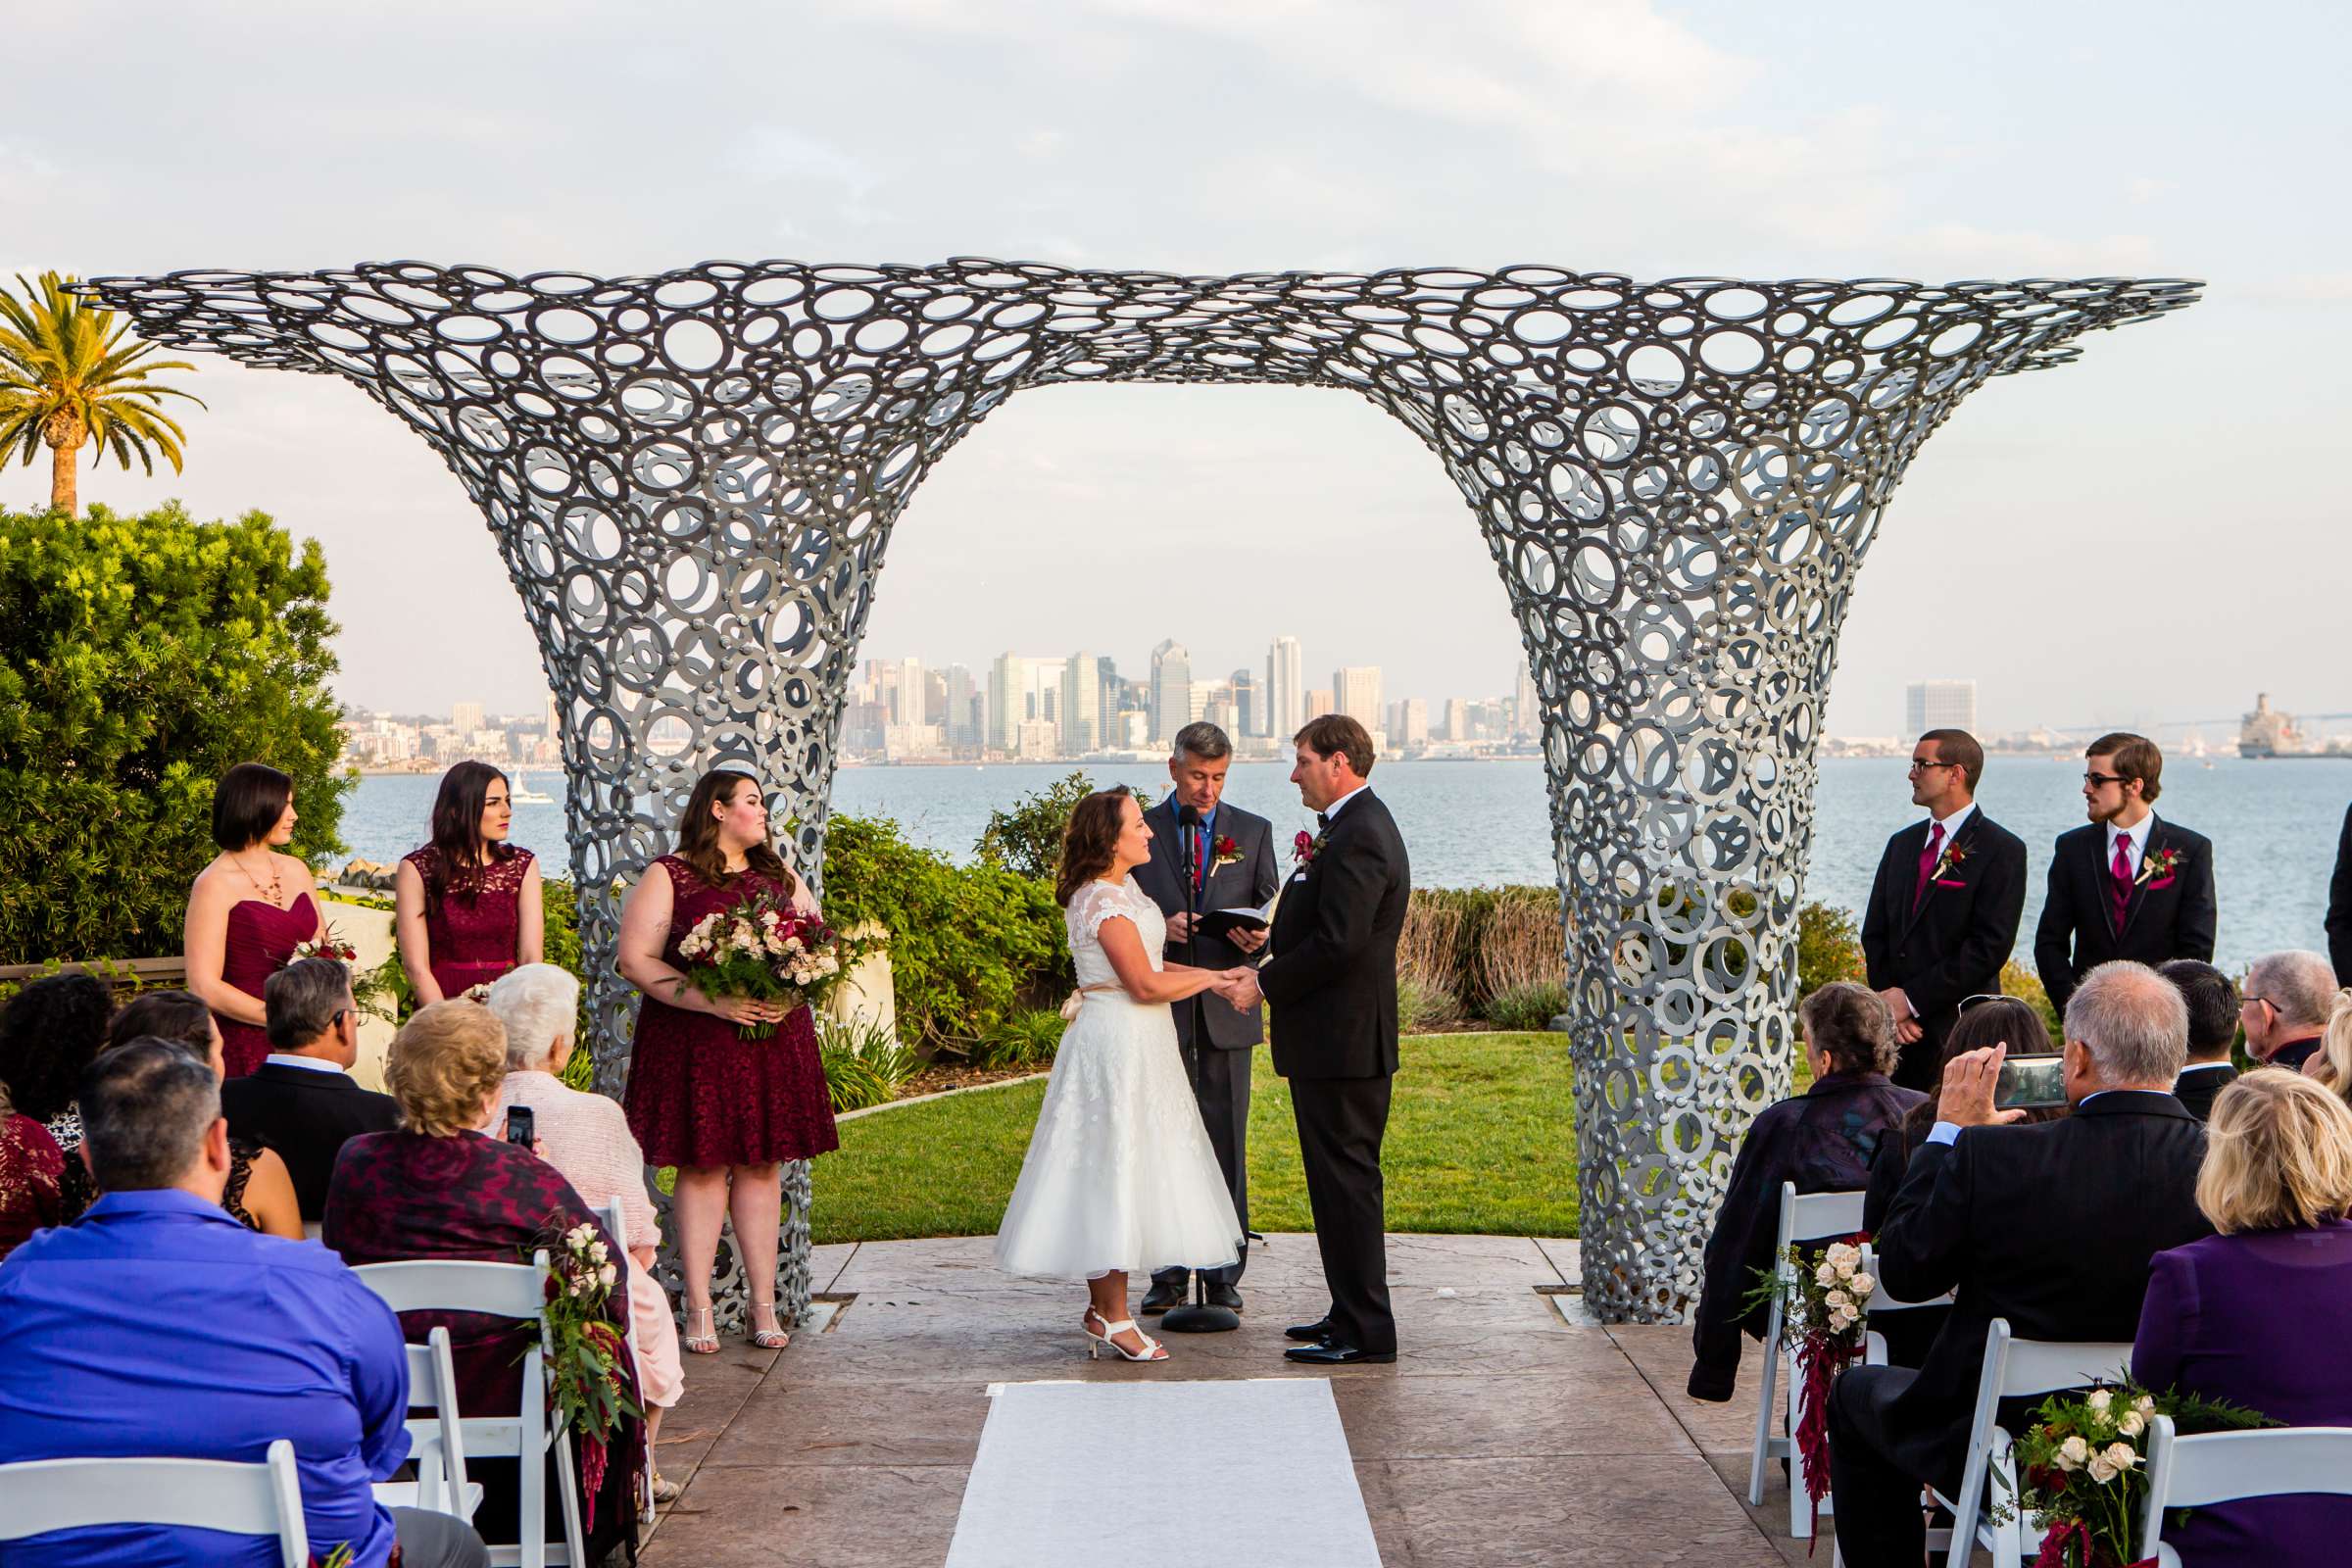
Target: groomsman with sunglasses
1944,906
2126,884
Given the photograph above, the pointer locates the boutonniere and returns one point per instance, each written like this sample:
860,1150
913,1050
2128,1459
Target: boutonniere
1951,860
1303,849
1228,854
2157,864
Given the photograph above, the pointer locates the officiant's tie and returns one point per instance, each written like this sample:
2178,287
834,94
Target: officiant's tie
1322,820
1926,862
2123,880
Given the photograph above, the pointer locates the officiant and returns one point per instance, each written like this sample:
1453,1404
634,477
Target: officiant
1208,856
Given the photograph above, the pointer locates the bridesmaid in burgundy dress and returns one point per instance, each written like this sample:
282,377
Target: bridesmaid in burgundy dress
466,905
249,909
725,1111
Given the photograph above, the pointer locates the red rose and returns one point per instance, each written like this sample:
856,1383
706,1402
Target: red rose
1226,846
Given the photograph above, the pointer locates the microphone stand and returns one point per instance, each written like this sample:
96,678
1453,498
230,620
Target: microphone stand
1198,1316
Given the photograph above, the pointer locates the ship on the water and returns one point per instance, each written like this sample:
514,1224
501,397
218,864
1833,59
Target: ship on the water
2267,732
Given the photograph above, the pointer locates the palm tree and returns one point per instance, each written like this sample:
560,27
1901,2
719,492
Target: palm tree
67,381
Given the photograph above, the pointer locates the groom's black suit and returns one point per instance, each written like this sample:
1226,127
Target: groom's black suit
1332,981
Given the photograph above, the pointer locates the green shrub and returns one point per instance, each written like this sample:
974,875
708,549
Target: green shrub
1026,836
967,943
1528,1007
1027,1039
1421,1007
1829,946
140,659
1473,942
865,1064
2023,983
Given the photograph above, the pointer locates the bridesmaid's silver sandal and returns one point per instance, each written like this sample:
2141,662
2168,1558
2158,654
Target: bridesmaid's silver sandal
701,1335
772,1338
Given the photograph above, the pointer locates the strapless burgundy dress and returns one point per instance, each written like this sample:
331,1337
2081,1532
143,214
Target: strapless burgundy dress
700,1094
471,938
262,939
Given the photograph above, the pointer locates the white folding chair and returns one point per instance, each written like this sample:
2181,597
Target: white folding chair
2213,1467
437,1444
502,1289
39,1495
1874,1344
1804,1217
619,1229
2013,1369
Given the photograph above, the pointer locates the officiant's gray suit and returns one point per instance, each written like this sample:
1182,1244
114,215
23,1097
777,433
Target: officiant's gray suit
1215,1037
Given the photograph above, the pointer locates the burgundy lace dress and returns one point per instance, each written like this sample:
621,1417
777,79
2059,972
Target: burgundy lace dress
31,1169
470,939
262,939
700,1094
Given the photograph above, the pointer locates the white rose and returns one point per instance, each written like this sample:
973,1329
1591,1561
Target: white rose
1863,1284
1837,1301
1844,1254
2132,1424
2145,1404
609,1274
596,1250
2099,1400
2121,1455
1826,1274
2101,1470
830,965
2073,1453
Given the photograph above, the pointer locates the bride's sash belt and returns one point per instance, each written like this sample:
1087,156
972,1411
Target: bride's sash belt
1069,1008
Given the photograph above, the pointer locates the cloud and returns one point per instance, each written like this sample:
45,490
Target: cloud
1965,250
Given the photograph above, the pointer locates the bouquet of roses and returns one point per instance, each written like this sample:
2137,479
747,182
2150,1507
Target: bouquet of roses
2079,1470
327,944
762,947
1821,1291
587,1378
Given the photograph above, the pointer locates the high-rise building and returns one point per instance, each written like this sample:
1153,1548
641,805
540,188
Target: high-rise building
1355,691
907,702
464,717
1081,708
1408,721
1285,688
1457,719
1171,689
1940,705
1318,703
1249,705
1009,681
1527,710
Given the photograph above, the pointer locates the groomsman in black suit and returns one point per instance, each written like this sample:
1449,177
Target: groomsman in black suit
2340,905
1944,906
2212,1030
2125,885
1208,856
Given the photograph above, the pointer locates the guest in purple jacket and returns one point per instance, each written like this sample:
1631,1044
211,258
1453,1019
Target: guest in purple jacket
2276,1183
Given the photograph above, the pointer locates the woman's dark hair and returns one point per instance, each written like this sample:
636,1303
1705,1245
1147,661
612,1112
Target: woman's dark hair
462,855
1090,842
1994,1021
247,802
1850,1025
49,1032
698,834
180,1017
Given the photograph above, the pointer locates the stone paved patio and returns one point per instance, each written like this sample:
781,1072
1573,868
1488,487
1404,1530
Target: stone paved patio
1503,1434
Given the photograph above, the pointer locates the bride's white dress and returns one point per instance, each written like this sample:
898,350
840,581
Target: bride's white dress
1119,1174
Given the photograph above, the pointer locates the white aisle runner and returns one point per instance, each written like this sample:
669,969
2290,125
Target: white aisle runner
1244,1475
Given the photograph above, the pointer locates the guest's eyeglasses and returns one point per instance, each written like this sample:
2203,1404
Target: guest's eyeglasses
2095,780
2258,1002
1921,765
1966,1003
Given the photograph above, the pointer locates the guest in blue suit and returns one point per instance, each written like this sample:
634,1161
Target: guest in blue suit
2277,1183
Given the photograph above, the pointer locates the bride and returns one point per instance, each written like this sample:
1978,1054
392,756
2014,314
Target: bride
1120,1177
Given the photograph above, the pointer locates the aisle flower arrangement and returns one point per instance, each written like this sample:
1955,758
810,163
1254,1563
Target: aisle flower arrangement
1821,1290
2081,1471
588,1384
760,946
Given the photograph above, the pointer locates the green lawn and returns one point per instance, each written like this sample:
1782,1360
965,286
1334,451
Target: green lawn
1479,1138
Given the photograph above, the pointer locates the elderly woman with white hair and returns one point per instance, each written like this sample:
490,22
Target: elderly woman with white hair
586,1137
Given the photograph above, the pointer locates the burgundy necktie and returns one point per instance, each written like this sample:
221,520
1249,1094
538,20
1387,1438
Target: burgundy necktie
2122,879
1926,861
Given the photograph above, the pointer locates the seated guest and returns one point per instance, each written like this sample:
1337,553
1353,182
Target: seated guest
1822,1140
31,1166
1985,1021
259,1195
159,1327
2289,996
301,1101
2277,1182
587,1138
439,1189
49,1032
2049,1225
2212,1030
2330,1066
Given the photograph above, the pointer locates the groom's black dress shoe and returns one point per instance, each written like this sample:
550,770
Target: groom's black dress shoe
1159,1298
1331,1353
1224,1295
1314,1332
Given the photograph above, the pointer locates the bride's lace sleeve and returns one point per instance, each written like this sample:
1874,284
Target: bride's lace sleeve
1094,904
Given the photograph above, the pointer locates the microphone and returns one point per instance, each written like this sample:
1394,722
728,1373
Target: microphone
1188,828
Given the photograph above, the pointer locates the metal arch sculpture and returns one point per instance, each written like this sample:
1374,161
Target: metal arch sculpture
693,476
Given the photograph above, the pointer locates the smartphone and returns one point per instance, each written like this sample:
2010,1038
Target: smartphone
2030,1082
519,1128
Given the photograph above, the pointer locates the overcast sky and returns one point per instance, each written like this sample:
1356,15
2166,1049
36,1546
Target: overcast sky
2152,533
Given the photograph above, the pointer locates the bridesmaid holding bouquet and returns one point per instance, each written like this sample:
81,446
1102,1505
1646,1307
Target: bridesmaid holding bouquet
466,907
249,909
725,1106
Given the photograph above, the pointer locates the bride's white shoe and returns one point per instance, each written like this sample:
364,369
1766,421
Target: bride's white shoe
1107,1339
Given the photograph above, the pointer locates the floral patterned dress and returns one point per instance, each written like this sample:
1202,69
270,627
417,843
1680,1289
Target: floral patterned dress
261,941
472,932
700,1095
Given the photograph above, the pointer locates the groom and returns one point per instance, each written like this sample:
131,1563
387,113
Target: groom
1333,984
